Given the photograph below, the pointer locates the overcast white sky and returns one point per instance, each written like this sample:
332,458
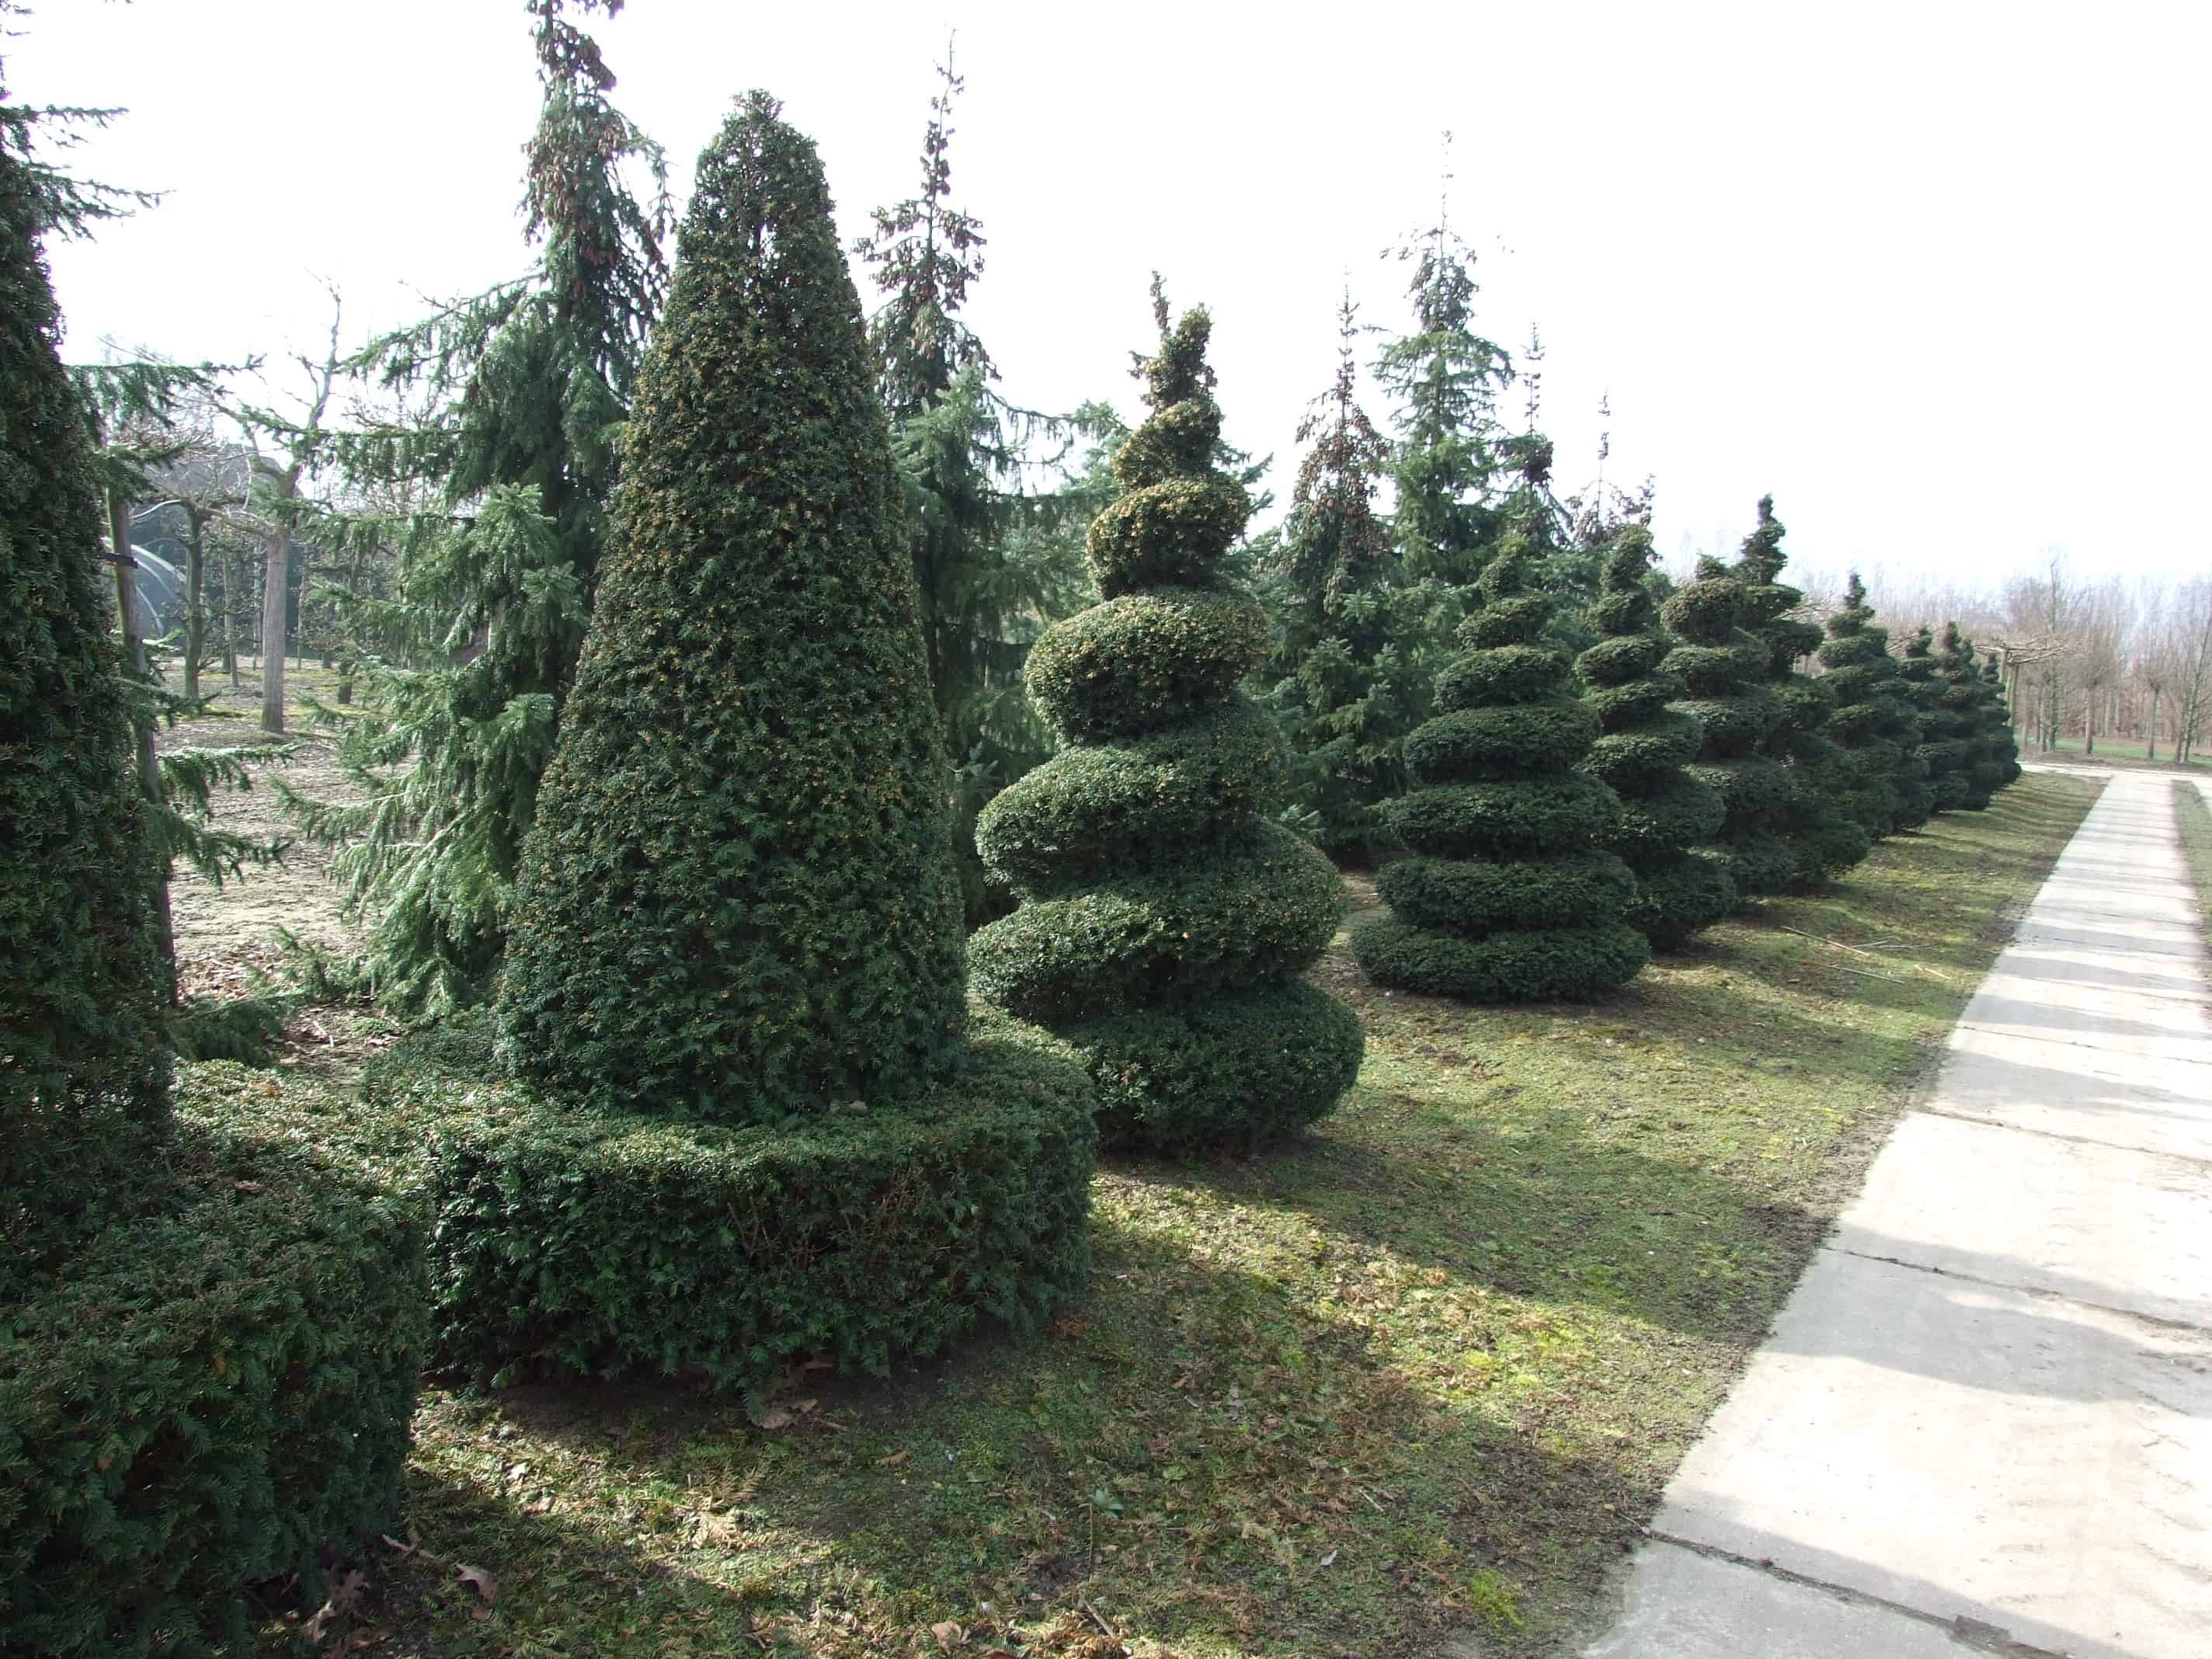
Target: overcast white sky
1935,274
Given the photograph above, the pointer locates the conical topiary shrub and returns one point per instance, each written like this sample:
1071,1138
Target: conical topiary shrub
1721,667
739,906
1872,722
2004,746
1639,754
1962,697
1941,749
1510,895
1164,921
1823,840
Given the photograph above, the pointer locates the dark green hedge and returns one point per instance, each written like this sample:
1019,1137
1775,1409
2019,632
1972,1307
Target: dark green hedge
1192,928
1171,530
1656,746
1567,889
1504,674
1678,900
211,1397
1470,744
1553,963
1538,814
1127,665
1684,813
578,1241
1228,1072
1112,807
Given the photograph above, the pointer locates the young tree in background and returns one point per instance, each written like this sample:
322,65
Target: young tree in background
527,388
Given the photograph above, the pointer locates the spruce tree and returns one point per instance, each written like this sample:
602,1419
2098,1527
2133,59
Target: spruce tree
1968,707
1941,750
1508,896
1641,751
737,902
1344,658
1723,670
528,388
85,979
1872,723
2004,746
1823,840
1164,923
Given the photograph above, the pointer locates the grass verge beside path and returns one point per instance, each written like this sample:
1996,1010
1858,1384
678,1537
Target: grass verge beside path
1419,1377
2195,820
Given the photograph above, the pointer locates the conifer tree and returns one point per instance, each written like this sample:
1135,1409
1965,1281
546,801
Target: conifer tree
1344,658
736,901
1941,750
2004,746
1641,751
1164,923
1963,699
1723,670
85,979
527,390
1872,723
1508,896
1823,840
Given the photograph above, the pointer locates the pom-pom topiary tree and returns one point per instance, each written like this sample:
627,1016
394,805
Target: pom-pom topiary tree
1640,753
1941,750
1164,922
738,908
1823,841
1722,667
1872,723
211,1346
1509,895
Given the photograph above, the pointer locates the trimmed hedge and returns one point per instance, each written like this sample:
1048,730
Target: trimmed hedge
212,1397
1164,922
1963,698
2004,747
1883,779
1664,811
1941,751
573,1239
1512,895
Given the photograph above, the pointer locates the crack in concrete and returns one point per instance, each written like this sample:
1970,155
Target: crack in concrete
1975,1635
2190,1158
2118,1045
2043,1290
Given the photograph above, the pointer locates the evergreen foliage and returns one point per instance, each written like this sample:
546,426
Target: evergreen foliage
85,977
735,904
528,389
1345,657
1823,840
1965,701
1162,922
1881,786
1723,669
2004,747
1640,752
1510,895
1941,750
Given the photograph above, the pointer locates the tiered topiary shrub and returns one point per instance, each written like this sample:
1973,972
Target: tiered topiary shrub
1639,754
1164,921
209,1340
1963,698
1941,749
1823,840
2004,746
1722,667
1509,895
1863,677
756,1123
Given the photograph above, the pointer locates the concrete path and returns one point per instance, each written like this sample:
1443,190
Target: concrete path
1982,1423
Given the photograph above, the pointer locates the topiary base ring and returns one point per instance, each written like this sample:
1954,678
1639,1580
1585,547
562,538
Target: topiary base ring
1231,1070
1538,966
570,1239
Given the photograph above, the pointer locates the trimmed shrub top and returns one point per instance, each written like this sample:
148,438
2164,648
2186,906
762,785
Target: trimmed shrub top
84,973
737,901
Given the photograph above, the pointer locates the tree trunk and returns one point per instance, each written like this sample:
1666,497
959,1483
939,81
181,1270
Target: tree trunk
195,602
273,594
134,654
232,581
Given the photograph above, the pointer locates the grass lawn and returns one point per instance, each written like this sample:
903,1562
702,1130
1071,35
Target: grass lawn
1411,1387
2117,750
2195,820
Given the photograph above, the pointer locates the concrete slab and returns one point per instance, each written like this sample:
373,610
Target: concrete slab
2147,1102
1683,1605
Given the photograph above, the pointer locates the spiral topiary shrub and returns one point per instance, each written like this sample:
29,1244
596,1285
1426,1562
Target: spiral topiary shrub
1963,698
752,1120
1721,667
2004,747
1164,922
1872,723
1941,727
1509,895
1640,752
1823,840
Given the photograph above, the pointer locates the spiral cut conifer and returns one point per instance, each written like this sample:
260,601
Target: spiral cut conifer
1882,789
2004,747
1164,920
1965,701
1943,749
1640,753
1823,840
1509,895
